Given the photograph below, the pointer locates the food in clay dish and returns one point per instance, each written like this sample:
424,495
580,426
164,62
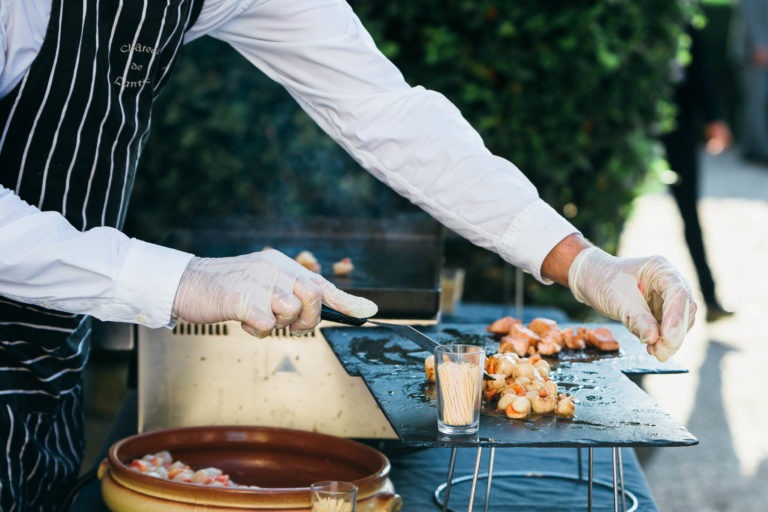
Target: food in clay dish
162,465
520,387
543,336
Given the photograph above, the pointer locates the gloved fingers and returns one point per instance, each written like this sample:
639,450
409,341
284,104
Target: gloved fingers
254,331
643,322
267,299
255,320
285,305
637,316
287,309
679,315
295,302
645,327
672,336
309,295
672,302
351,305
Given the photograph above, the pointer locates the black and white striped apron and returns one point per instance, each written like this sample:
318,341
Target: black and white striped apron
70,137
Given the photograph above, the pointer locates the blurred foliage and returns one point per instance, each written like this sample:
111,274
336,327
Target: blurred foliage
574,93
228,141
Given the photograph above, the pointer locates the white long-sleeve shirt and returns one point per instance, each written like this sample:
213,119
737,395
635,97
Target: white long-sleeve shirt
412,139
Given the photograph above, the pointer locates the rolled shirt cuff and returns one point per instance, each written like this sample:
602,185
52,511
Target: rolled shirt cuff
149,279
531,237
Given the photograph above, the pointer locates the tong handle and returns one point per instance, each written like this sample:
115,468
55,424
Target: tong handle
330,314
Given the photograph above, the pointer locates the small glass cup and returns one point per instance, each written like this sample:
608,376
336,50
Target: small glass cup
331,496
459,384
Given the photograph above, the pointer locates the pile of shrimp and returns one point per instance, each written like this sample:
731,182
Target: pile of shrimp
520,387
162,465
543,336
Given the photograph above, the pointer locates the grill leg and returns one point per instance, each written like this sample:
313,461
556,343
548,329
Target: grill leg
590,472
490,478
474,479
614,458
451,467
621,483
579,462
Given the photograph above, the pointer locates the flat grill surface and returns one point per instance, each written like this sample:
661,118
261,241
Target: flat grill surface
396,261
610,411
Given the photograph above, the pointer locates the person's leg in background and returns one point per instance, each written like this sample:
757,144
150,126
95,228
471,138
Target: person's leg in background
682,155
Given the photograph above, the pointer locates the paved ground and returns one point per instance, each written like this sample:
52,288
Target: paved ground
719,401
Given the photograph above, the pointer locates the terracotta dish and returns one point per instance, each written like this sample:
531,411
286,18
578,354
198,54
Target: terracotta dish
281,462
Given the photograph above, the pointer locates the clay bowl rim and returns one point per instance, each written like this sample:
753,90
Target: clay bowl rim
245,436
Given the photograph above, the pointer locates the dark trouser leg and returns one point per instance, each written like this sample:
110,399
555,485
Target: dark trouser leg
683,159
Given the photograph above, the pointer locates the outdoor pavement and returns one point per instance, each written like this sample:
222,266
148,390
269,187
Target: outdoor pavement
720,399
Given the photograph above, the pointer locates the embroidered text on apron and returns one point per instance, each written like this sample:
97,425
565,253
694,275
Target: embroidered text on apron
70,137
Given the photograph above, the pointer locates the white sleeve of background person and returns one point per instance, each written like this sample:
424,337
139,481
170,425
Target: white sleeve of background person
45,261
412,139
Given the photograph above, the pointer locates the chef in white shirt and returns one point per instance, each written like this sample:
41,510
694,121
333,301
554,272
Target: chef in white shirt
76,91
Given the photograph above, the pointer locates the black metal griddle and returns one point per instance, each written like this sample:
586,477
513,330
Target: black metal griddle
397,261
611,410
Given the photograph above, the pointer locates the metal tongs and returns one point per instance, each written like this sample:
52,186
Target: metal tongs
404,330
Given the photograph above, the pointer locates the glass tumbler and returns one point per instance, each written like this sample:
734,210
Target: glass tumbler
459,384
331,496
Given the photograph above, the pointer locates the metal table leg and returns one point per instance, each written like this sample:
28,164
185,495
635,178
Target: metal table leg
474,479
448,480
590,479
490,479
618,480
615,480
621,482
615,485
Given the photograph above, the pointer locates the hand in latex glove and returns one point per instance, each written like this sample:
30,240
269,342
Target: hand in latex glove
647,294
262,290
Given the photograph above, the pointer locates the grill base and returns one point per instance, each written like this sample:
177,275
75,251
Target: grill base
219,375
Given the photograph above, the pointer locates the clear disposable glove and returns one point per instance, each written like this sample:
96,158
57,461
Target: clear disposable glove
263,291
648,295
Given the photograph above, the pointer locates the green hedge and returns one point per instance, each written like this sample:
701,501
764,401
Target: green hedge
226,141
573,92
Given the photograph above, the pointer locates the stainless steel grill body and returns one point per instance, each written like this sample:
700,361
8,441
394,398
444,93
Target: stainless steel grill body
218,374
